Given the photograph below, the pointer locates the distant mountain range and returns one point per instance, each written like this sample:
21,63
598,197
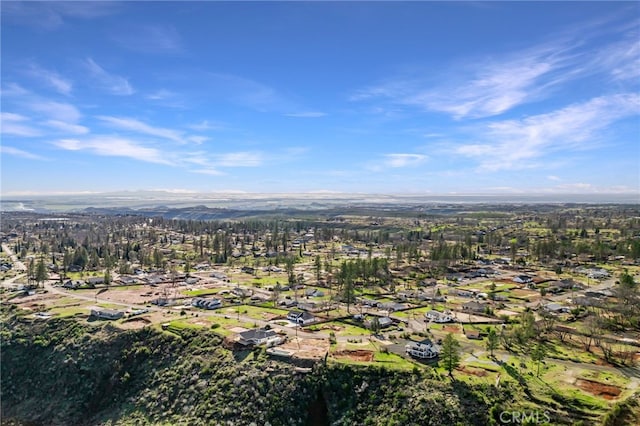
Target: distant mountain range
155,202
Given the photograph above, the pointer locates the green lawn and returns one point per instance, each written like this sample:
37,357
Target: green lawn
255,312
201,292
340,329
417,312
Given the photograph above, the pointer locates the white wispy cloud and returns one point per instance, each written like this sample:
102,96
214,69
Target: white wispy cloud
512,144
239,159
60,111
205,125
67,127
113,146
161,95
395,161
9,150
17,125
307,114
143,128
404,160
621,59
491,86
247,92
150,38
112,83
198,139
13,90
211,172
51,79
490,89
52,15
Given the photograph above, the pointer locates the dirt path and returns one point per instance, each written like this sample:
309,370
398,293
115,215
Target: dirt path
17,265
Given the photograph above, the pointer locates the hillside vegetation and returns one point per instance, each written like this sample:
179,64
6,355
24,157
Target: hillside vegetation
67,372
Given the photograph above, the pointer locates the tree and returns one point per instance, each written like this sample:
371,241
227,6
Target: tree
538,354
107,276
450,353
492,341
30,271
375,325
41,272
318,267
187,267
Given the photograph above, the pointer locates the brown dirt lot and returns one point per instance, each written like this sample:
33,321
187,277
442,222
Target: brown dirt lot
359,355
306,348
134,323
452,329
598,389
472,371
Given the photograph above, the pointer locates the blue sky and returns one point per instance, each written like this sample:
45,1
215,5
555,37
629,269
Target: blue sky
374,97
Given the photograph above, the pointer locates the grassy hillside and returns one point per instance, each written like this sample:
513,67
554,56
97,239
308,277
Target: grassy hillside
72,372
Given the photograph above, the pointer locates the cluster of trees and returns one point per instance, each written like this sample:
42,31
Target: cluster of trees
360,273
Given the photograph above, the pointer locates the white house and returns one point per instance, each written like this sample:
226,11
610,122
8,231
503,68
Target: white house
439,317
300,317
200,302
522,279
260,336
109,314
425,349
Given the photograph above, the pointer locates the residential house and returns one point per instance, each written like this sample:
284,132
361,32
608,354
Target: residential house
287,303
300,317
472,334
203,303
475,306
425,349
522,279
218,275
108,314
556,308
384,322
95,280
313,292
260,336
439,317
462,293
393,306
73,284
128,280
311,306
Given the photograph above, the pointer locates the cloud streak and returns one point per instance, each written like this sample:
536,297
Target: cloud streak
19,153
112,83
404,160
66,127
494,86
113,146
150,39
142,128
49,16
16,125
51,79
513,144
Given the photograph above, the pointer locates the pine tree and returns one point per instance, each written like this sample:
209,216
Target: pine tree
538,355
41,272
450,353
492,341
